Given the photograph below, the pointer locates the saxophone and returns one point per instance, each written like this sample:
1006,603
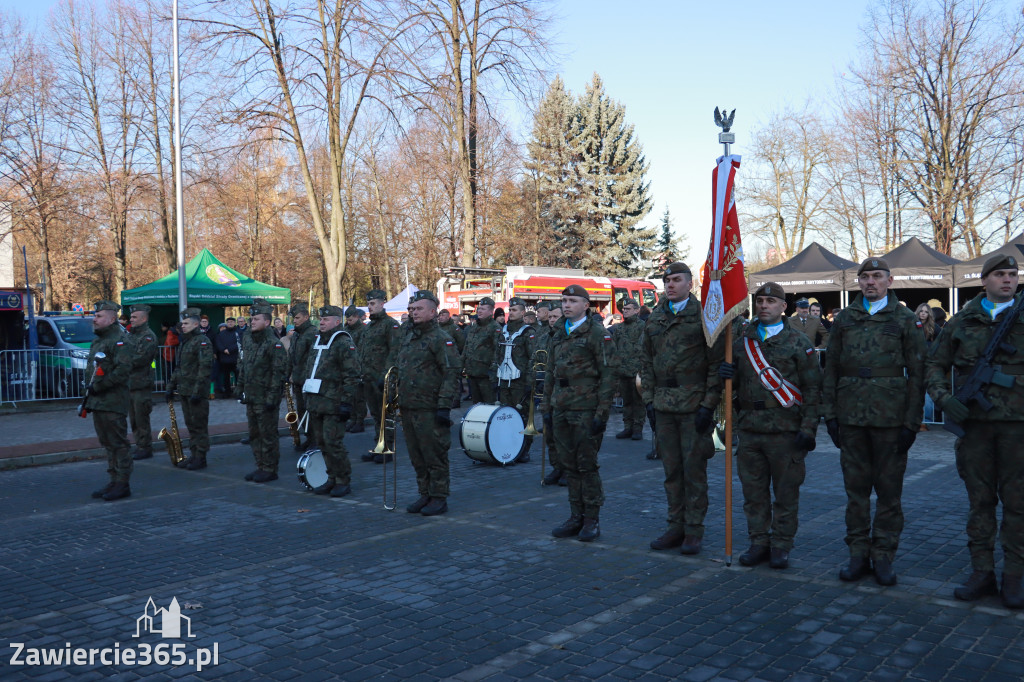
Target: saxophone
292,418
172,439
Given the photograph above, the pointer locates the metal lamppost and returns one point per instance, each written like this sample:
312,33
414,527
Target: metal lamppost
179,218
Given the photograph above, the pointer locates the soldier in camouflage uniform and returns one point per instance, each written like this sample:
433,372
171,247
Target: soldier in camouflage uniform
428,369
477,357
191,381
108,400
989,457
873,401
354,326
302,341
628,338
334,377
513,366
578,389
143,344
448,326
681,388
557,474
378,351
774,438
262,373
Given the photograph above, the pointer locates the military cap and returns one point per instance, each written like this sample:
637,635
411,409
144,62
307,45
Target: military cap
554,305
628,301
486,300
544,305
531,313
106,305
331,311
872,264
775,291
297,308
677,268
515,300
351,310
376,295
141,308
424,295
576,290
260,307
193,313
998,262
803,303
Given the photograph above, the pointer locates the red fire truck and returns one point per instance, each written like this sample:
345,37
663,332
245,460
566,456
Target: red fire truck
460,289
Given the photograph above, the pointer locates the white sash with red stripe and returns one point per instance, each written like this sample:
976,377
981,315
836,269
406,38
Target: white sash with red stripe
784,390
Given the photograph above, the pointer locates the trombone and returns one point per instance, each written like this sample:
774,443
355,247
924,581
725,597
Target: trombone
388,425
539,365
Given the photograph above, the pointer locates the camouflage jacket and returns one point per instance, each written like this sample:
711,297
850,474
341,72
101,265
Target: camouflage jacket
628,337
792,354
452,330
109,392
522,352
874,369
581,370
338,371
195,358
356,332
478,354
305,336
143,345
960,345
812,328
428,368
378,346
263,369
679,371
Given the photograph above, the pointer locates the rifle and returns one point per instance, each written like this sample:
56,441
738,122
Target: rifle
82,412
984,372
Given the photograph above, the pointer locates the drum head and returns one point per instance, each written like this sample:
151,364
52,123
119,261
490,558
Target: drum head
504,440
312,469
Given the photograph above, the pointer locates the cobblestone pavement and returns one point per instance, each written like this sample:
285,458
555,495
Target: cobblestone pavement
288,585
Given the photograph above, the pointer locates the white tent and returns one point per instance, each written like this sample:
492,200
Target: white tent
400,303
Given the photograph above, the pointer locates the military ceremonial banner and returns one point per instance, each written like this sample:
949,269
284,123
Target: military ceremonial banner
723,289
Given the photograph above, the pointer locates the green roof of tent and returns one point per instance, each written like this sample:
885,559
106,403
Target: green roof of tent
209,282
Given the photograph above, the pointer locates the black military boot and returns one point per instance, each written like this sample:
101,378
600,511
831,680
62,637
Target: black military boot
196,462
591,529
884,575
324,489
120,489
563,480
570,527
779,558
978,585
859,567
264,476
691,545
755,555
436,506
357,427
97,494
245,441
653,454
625,433
138,454
251,475
1013,595
367,456
382,458
523,458
341,490
551,478
638,434
670,539
417,506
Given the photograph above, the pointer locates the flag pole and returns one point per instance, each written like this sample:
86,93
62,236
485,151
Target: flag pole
726,138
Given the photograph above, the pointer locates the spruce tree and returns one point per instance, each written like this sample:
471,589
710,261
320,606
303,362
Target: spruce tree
667,249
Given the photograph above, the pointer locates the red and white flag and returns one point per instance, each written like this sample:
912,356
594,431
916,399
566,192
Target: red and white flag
723,289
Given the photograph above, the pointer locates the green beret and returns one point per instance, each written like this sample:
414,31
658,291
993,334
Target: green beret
544,305
424,295
191,313
106,305
873,264
331,311
376,295
297,308
998,262
140,308
576,290
774,290
628,301
351,310
261,307
486,300
515,300
555,305
677,268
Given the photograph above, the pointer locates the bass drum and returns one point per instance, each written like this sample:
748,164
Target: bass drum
312,469
491,433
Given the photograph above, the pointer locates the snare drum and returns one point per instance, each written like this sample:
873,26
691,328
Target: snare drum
491,433
312,469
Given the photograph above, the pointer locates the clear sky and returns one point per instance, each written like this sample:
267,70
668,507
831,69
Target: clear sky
671,62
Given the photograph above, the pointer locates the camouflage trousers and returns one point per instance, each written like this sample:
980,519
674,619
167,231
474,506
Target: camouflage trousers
300,409
482,389
871,460
112,432
428,446
518,395
990,461
197,421
329,431
577,452
358,407
684,456
140,406
373,397
766,462
634,414
263,437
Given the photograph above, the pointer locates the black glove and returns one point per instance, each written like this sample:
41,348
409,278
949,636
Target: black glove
169,396
272,407
704,420
727,370
193,400
906,439
651,416
345,411
598,426
804,442
833,431
549,423
443,417
955,410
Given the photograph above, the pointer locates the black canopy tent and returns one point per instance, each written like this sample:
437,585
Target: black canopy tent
814,271
918,272
967,275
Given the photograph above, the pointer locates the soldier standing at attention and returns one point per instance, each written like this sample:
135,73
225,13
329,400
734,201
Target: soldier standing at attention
333,375
681,388
107,398
448,326
142,342
477,357
428,369
191,381
628,338
873,401
578,392
513,366
777,424
989,458
378,351
262,373
554,321
305,335
354,326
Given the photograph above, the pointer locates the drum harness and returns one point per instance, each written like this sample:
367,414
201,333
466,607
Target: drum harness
312,384
507,370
